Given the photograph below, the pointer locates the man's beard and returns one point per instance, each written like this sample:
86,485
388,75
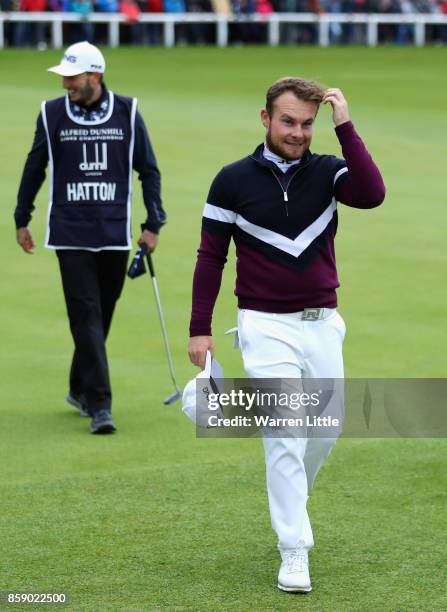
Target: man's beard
278,151
86,94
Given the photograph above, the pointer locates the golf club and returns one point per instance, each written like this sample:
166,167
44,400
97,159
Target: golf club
136,269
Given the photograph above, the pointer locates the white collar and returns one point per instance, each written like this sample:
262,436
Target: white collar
282,164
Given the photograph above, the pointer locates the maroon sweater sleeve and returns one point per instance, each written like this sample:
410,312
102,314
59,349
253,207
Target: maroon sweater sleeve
207,279
362,186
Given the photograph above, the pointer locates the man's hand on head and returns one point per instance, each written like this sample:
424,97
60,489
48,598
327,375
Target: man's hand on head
149,239
25,240
340,111
197,348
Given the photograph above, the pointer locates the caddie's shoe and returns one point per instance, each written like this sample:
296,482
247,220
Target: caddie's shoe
102,423
294,572
78,401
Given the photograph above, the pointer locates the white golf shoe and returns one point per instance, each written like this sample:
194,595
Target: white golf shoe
294,572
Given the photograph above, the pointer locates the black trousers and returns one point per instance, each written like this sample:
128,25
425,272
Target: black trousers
92,284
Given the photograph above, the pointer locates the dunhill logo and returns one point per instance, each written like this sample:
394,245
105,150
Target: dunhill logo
98,164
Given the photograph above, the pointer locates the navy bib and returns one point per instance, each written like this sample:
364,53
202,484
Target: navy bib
91,176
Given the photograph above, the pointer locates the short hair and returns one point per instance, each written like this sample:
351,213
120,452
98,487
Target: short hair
303,89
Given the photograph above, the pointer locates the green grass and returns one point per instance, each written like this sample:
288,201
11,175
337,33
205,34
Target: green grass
153,518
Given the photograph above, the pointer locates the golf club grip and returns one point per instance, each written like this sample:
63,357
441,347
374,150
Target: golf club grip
145,251
150,264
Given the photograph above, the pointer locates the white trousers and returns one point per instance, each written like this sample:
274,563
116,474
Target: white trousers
284,346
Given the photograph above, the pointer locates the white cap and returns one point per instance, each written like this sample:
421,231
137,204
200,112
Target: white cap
195,398
195,408
78,58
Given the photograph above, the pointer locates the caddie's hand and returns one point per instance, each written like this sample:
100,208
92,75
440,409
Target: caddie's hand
197,348
340,111
149,239
25,240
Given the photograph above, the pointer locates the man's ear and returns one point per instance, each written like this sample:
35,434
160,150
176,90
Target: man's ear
97,77
265,118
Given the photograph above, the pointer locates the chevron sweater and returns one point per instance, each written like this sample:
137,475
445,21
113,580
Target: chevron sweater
283,226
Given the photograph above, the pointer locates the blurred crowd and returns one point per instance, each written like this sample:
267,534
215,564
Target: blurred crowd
134,32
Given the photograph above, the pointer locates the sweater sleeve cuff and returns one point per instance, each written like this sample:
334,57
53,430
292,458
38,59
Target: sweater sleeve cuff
21,220
199,329
344,129
151,227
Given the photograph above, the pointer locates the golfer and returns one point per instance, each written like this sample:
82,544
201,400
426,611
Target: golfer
279,205
93,140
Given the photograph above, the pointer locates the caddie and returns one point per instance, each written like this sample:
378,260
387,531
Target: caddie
93,139
279,205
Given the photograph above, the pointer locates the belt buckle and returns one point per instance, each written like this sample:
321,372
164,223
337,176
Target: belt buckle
312,314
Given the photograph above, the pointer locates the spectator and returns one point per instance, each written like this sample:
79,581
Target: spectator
199,33
289,31
7,6
265,8
222,7
427,7
31,33
335,28
131,10
387,31
104,6
177,6
131,30
85,30
70,30
443,10
174,6
405,31
347,29
154,31
293,33
244,31
59,6
423,6
312,28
